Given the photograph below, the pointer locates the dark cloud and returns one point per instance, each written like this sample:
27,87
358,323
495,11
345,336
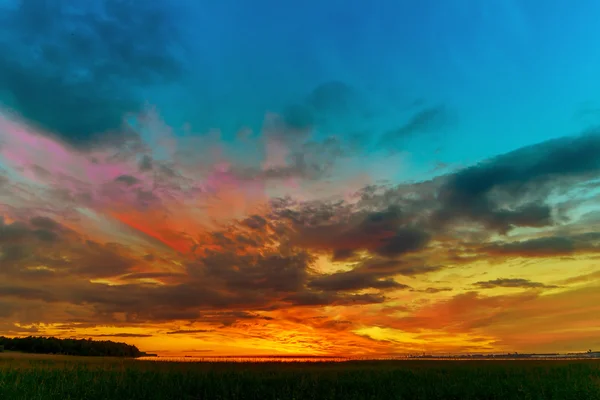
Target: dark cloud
370,274
101,260
255,222
19,241
550,246
432,290
44,242
334,228
13,232
272,272
81,70
228,318
189,331
350,281
405,240
239,269
24,292
343,254
308,298
152,275
266,262
7,309
408,269
45,235
13,329
123,335
511,190
512,283
45,223
127,180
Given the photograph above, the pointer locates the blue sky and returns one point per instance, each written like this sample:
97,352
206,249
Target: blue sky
514,73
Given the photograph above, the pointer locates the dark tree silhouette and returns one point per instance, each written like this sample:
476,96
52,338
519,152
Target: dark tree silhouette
76,347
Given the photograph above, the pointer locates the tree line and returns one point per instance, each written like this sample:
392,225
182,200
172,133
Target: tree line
74,347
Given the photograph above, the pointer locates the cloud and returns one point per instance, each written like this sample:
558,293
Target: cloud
424,121
127,180
511,190
372,273
89,64
189,331
433,290
26,293
336,228
351,281
44,243
585,278
550,246
315,298
45,223
123,335
242,262
6,309
382,267
237,273
151,236
152,275
512,283
405,240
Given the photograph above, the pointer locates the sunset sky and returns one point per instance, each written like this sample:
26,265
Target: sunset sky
246,177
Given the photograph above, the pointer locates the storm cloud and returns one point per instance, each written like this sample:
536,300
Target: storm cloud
85,68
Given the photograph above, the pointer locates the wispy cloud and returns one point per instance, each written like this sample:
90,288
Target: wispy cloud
512,283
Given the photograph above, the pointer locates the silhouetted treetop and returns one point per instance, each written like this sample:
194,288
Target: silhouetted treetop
75,347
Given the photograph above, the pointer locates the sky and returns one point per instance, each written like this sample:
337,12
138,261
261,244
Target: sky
333,178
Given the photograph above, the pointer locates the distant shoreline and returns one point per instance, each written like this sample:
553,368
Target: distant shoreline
322,359
24,356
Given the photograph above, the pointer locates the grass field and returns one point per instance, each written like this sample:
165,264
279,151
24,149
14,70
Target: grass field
63,377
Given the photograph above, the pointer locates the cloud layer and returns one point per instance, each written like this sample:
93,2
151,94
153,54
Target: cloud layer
333,225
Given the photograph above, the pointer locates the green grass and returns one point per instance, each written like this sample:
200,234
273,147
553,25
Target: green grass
64,378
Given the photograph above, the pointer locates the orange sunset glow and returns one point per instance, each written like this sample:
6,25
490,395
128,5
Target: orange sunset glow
175,197
183,258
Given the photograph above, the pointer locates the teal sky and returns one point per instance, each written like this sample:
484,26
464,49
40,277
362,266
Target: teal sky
506,73
512,73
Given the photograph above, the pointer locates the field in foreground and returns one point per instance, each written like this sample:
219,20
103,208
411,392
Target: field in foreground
65,378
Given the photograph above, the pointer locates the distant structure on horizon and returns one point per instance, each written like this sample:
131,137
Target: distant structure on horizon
588,354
